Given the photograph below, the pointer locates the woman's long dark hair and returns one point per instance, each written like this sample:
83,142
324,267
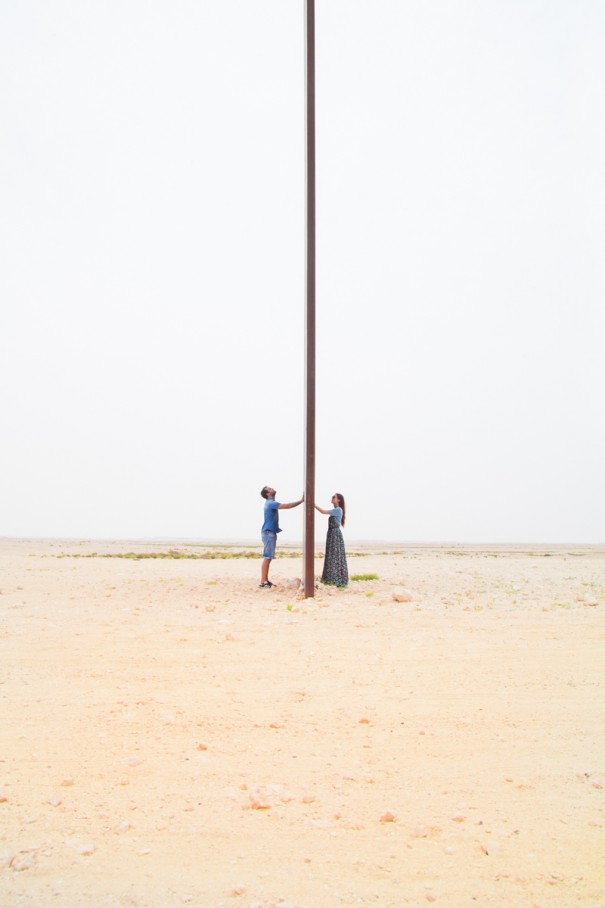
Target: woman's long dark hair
341,504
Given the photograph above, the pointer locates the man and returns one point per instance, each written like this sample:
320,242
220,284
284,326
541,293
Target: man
270,530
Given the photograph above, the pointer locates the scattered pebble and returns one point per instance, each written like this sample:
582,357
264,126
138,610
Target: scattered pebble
387,817
5,858
87,849
55,802
23,862
402,595
238,890
257,803
202,747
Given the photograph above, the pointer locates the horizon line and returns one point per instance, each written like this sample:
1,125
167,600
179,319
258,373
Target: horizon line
225,541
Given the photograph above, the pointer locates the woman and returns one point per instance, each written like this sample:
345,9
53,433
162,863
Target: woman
335,563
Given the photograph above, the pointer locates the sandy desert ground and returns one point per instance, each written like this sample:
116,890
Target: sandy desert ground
172,735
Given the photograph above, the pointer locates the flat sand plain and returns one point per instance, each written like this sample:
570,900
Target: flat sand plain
172,735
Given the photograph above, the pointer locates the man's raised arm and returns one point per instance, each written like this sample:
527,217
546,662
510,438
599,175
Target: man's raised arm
291,504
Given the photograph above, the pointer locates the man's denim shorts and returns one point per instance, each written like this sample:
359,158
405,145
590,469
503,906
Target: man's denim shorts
269,540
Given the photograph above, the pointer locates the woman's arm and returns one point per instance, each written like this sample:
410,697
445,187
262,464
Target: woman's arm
321,510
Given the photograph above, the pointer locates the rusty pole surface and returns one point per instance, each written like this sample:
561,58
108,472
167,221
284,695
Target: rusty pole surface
309,528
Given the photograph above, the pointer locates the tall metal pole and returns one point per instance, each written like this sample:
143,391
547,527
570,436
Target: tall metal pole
309,534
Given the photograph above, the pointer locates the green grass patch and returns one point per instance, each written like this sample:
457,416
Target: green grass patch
365,577
176,556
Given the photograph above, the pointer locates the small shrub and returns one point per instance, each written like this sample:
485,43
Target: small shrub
365,577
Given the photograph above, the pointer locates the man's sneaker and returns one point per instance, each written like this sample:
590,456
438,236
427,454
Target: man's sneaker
266,585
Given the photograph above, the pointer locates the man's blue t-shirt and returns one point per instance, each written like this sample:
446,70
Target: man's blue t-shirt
271,522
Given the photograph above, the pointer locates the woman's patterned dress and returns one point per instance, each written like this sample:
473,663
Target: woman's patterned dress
335,562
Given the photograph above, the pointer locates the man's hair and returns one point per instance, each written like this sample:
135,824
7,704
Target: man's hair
263,492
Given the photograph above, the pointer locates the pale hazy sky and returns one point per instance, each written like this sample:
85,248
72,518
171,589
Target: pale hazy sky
152,274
